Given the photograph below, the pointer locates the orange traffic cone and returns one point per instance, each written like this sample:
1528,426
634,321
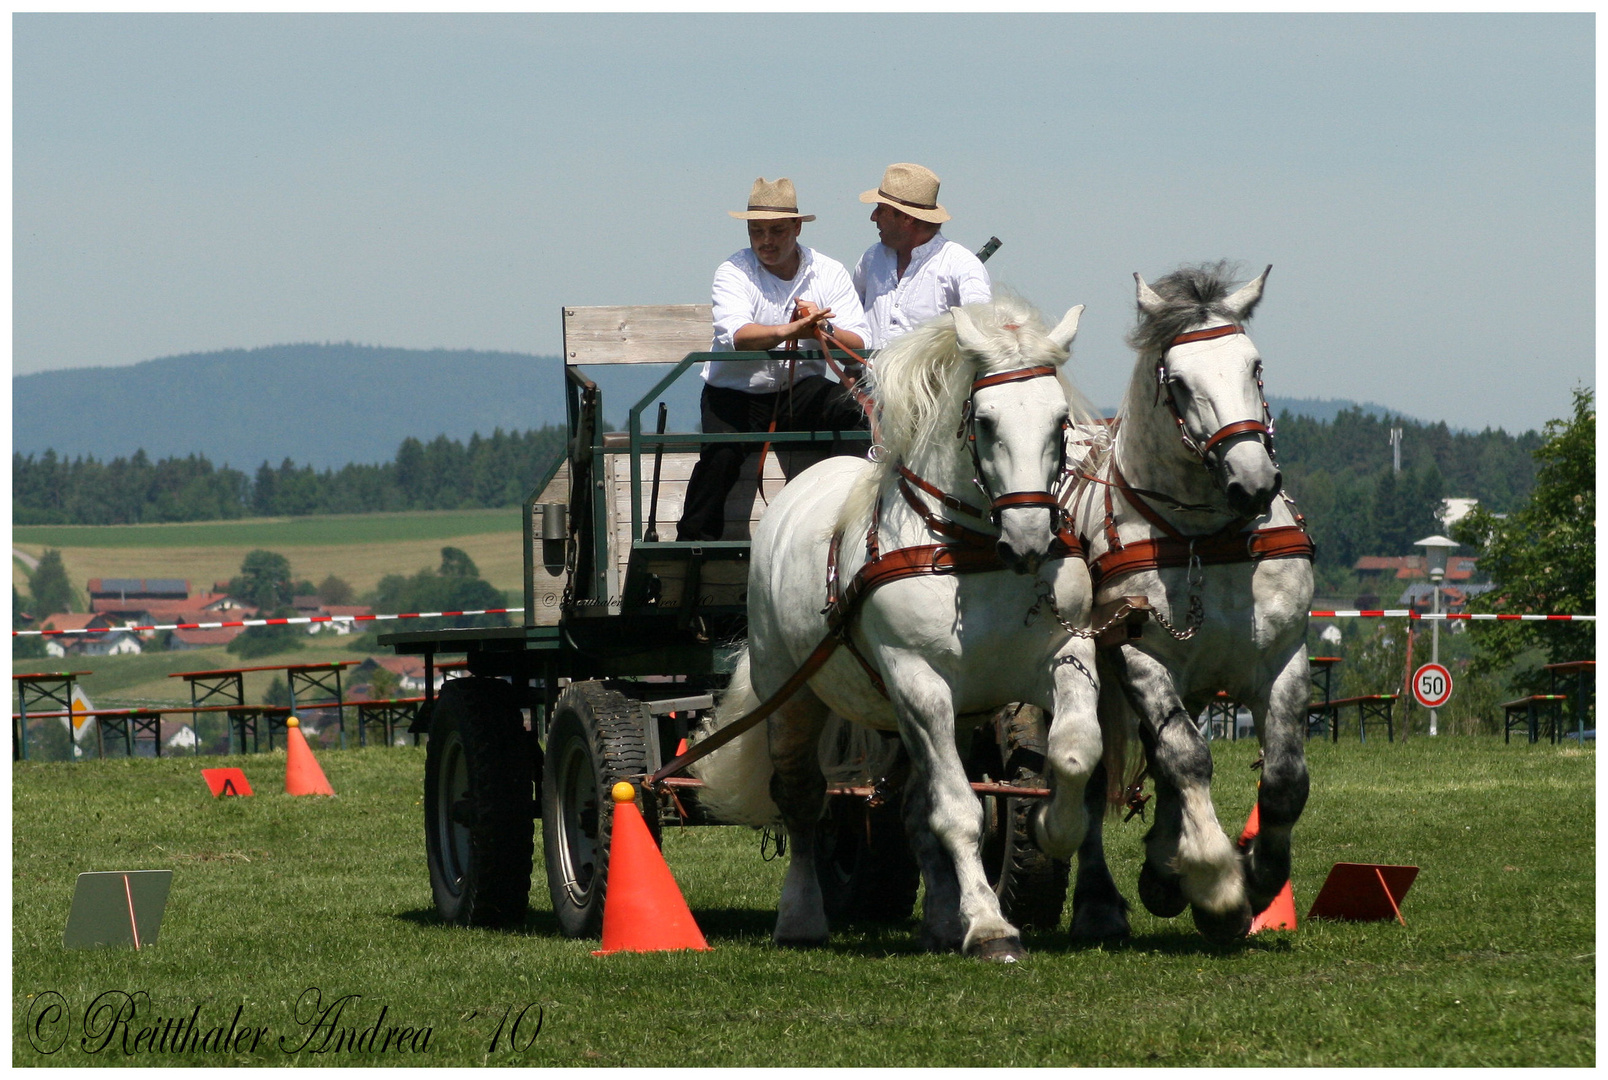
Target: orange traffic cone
643,910
302,774
1280,914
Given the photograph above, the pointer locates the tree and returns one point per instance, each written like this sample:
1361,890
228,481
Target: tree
52,593
456,563
334,590
1543,557
258,641
28,647
264,580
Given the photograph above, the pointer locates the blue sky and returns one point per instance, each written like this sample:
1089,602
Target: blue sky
1423,185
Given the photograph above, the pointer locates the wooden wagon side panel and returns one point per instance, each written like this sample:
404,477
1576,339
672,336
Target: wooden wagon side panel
547,583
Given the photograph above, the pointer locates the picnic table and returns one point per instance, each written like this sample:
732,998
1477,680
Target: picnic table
1327,709
36,688
1583,673
229,686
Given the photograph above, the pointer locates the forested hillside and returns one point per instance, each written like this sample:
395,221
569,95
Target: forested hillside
443,474
1342,477
1340,474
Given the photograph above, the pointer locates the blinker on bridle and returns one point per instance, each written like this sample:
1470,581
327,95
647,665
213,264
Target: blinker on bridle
1263,428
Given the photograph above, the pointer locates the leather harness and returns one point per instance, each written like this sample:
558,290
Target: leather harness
1229,544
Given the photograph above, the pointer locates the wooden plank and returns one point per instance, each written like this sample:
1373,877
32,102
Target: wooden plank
636,335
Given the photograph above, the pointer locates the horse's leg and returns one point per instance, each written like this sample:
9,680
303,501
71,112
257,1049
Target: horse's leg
799,789
1188,857
1099,911
1281,724
926,712
1072,753
942,929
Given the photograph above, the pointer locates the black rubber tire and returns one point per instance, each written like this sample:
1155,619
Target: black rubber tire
1030,885
478,806
865,879
598,736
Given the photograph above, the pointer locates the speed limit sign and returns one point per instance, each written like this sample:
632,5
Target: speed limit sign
1432,686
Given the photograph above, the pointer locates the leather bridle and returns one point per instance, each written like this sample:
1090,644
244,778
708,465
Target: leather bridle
1263,428
1011,500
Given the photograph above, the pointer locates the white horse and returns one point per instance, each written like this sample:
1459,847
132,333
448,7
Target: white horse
958,513
1188,510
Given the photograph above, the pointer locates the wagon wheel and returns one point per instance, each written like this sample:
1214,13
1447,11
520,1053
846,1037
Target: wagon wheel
597,737
862,859
1031,886
863,862
478,805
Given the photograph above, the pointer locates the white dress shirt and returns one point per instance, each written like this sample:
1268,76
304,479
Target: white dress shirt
745,292
942,274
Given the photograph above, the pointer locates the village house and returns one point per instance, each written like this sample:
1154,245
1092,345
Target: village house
108,641
409,672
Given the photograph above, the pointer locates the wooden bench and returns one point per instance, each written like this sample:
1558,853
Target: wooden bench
1369,707
1525,712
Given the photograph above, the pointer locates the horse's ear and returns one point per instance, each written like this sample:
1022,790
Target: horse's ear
1067,328
971,339
1244,301
1150,302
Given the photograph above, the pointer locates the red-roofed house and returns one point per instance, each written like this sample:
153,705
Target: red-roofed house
184,640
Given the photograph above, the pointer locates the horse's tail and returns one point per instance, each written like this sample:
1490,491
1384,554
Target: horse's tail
737,776
1122,754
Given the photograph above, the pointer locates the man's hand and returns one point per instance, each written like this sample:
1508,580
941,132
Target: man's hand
758,337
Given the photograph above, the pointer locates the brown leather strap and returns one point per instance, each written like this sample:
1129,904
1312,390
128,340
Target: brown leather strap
811,665
985,381
1277,542
1206,335
1237,428
1015,499
942,496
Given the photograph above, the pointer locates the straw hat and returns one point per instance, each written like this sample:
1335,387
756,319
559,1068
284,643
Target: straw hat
912,189
770,200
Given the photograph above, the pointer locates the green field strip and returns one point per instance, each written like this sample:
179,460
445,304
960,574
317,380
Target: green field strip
278,532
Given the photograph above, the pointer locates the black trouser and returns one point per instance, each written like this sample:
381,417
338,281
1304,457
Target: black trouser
815,403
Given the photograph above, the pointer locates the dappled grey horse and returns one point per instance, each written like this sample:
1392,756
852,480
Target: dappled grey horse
1186,508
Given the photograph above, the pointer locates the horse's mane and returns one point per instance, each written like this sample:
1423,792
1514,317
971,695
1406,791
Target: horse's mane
921,381
1193,294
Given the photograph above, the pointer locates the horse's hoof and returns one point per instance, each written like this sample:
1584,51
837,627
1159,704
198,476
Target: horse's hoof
1230,926
1161,894
939,943
1001,950
800,942
1105,922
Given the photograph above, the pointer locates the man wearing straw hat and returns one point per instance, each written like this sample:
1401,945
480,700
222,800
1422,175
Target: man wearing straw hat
915,273
772,293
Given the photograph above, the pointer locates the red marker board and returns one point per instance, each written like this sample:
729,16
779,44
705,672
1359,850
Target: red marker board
1363,892
226,782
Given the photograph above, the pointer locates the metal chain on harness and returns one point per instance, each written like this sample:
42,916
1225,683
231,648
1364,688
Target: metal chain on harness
1197,611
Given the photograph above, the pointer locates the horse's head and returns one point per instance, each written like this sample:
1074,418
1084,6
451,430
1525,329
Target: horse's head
1014,423
1209,376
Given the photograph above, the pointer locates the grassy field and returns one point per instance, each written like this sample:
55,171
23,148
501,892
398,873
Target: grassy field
361,548
276,899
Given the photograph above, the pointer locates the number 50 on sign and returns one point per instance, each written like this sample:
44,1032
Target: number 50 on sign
1432,686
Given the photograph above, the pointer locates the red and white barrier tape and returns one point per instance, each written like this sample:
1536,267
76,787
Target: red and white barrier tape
1408,613
300,620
